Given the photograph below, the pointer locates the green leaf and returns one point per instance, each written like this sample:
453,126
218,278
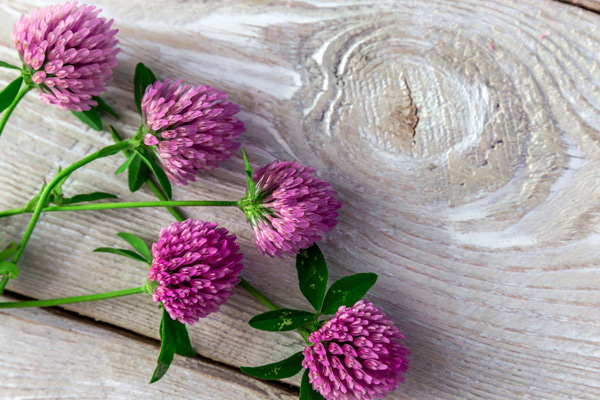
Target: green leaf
143,77
109,150
57,190
162,178
56,194
347,291
7,65
53,198
9,93
121,252
9,251
167,352
305,334
9,269
279,370
306,390
126,164
177,333
91,118
138,173
84,198
175,340
312,275
248,168
280,320
105,107
117,139
137,244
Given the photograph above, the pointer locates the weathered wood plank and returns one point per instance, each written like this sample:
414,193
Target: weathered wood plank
48,354
462,137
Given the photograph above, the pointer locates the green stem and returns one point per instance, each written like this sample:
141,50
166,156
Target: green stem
105,152
258,295
76,299
161,196
134,204
13,105
14,211
153,186
144,204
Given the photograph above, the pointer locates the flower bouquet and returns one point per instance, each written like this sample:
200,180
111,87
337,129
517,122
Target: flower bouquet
353,350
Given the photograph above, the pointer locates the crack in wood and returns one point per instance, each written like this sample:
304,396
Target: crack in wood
589,5
414,108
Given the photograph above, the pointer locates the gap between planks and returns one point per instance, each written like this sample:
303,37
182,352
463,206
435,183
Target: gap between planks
590,5
286,391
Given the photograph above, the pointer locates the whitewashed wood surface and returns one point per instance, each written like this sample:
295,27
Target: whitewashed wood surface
462,136
88,360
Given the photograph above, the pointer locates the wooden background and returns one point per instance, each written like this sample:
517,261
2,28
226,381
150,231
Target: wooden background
463,138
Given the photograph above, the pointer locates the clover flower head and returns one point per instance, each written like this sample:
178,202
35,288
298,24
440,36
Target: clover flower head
357,355
69,52
292,209
191,128
195,269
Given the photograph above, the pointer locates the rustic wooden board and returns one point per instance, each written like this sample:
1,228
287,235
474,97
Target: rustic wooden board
71,358
462,137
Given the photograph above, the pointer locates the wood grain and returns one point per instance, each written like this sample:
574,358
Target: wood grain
71,358
462,137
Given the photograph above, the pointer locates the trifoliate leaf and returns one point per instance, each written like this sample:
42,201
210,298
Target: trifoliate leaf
121,252
248,168
143,77
138,173
104,107
161,177
9,269
9,251
9,93
306,390
312,275
347,291
137,244
90,117
279,370
84,198
281,320
7,65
